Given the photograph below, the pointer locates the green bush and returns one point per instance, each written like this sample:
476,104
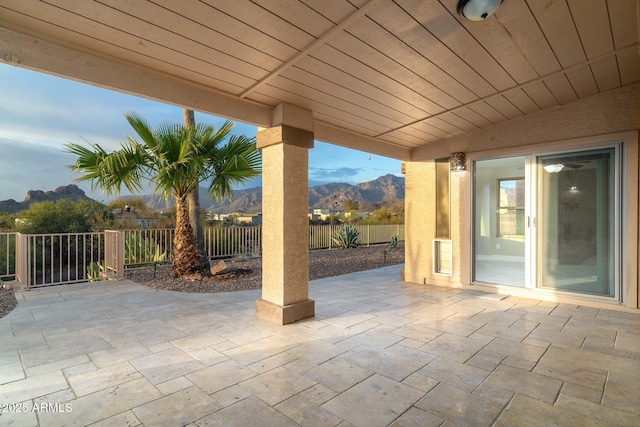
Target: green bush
346,237
138,250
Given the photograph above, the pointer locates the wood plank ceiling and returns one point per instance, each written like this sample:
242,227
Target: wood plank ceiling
402,73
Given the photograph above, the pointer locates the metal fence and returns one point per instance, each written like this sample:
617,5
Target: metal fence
7,256
52,259
37,260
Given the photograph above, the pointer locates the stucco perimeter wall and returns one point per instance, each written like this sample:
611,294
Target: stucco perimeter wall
614,114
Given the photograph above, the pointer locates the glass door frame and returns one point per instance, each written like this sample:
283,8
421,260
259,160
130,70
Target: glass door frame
531,173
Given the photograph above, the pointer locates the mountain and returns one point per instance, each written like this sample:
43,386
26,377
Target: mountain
370,195
71,192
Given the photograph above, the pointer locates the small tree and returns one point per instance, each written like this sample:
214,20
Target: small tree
175,159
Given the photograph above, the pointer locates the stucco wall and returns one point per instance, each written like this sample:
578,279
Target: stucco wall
612,112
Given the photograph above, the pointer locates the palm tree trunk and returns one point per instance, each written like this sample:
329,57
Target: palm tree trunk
186,258
193,202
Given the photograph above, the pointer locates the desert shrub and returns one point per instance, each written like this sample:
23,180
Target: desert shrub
346,237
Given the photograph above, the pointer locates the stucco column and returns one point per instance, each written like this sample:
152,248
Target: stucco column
285,224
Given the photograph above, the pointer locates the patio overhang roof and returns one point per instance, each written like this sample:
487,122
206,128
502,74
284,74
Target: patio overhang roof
382,76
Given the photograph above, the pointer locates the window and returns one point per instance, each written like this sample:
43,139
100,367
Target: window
511,195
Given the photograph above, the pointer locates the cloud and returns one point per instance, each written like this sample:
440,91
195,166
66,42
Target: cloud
321,174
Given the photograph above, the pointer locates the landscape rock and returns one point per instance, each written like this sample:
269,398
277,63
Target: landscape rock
220,267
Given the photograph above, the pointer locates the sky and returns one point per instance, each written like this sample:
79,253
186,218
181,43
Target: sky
40,113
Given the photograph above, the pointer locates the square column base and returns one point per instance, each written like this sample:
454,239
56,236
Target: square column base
283,315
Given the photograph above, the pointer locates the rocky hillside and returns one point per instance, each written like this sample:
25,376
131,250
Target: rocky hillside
71,192
369,194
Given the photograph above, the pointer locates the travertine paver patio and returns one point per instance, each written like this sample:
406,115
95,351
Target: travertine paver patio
379,352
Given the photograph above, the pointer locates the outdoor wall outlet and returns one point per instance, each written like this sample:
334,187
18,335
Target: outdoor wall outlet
497,245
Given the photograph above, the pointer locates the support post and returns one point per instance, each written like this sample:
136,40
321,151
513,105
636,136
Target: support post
285,259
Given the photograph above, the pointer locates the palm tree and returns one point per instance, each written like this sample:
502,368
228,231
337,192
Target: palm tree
174,159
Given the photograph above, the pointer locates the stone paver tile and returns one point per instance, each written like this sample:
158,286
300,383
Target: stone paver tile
502,318
276,385
421,381
485,359
118,354
622,391
24,340
174,385
418,333
319,351
628,341
158,335
32,387
524,325
57,365
601,414
41,355
378,338
456,347
504,332
245,335
527,383
220,376
337,374
79,338
26,418
528,412
273,362
456,374
248,412
307,413
177,409
584,393
166,365
11,369
79,369
519,363
318,394
261,349
459,327
121,328
348,319
460,407
397,363
197,341
231,395
208,356
581,367
125,419
417,417
367,404
107,377
510,348
103,404
331,334
393,320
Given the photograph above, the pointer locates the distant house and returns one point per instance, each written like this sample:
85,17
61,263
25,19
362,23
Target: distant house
249,219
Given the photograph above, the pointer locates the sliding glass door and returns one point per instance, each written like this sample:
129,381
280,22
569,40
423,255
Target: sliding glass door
548,221
500,221
577,222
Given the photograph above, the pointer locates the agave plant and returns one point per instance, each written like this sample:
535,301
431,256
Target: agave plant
346,237
393,244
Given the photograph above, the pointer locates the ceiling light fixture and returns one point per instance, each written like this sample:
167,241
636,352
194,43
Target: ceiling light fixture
477,10
554,168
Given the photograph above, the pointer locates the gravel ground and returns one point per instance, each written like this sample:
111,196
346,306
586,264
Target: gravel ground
324,263
7,301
